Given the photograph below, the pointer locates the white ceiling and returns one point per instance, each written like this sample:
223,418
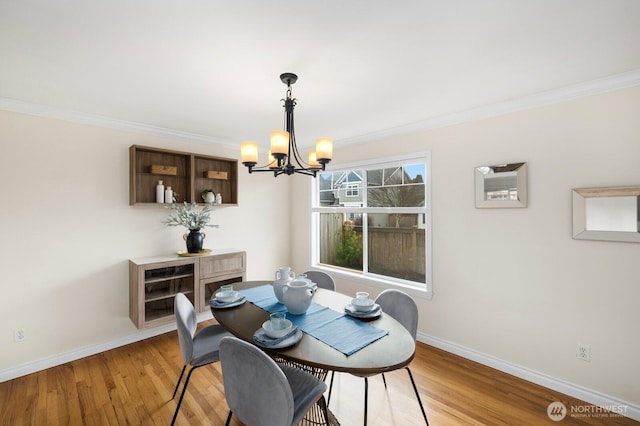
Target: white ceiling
211,68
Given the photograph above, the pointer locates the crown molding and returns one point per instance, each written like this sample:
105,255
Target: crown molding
549,97
23,107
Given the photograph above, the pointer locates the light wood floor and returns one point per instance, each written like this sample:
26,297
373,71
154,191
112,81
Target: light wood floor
132,385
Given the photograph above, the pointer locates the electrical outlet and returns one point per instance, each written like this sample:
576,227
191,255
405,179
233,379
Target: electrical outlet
584,352
19,335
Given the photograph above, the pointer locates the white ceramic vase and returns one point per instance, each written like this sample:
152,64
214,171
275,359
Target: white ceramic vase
283,276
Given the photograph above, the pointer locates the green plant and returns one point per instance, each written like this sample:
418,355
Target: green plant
189,216
203,194
349,253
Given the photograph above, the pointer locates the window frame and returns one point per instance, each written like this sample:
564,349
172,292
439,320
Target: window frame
419,289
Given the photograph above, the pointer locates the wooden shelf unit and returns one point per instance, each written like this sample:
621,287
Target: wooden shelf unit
227,186
153,285
186,173
154,282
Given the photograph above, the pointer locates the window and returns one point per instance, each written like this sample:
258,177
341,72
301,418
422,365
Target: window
374,219
353,190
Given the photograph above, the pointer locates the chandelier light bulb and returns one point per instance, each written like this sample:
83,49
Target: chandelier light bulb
249,152
279,143
324,149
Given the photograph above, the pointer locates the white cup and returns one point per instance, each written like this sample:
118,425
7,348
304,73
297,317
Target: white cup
226,290
362,298
277,320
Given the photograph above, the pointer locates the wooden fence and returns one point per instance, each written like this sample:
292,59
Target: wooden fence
396,252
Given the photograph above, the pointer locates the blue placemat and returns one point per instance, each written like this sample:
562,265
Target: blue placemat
337,330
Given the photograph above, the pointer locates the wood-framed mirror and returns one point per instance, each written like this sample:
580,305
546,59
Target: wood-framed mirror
607,214
501,186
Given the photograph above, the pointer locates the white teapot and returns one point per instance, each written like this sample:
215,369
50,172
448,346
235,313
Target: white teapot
283,276
297,295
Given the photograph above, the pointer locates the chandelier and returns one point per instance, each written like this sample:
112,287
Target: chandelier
284,156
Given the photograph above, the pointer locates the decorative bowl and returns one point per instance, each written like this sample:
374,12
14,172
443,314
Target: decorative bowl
225,297
363,305
266,326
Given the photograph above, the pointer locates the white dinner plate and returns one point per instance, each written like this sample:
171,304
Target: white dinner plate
353,312
289,341
220,305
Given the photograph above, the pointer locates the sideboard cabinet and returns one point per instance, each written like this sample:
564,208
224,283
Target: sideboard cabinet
154,282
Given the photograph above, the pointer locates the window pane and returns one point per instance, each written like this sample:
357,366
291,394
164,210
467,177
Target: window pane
396,196
396,187
325,189
341,240
393,176
325,181
396,246
374,177
415,173
341,188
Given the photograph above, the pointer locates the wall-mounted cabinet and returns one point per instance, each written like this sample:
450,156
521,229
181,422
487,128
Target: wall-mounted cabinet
155,281
186,173
153,285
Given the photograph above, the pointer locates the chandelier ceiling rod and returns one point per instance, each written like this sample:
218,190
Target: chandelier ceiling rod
284,157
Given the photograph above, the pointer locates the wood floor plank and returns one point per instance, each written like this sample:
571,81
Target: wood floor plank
133,384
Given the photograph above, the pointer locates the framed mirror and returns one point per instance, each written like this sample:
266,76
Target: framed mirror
608,214
501,186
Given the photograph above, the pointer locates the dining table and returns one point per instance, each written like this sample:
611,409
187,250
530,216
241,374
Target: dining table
391,348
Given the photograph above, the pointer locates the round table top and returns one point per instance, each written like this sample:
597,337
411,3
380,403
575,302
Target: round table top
393,351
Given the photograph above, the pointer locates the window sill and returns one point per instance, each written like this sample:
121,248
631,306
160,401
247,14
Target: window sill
425,293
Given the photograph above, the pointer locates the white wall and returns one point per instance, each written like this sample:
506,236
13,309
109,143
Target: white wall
512,283
67,232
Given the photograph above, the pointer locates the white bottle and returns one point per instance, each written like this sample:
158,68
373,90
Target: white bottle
159,192
168,195
219,198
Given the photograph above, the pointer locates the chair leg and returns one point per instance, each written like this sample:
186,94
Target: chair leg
330,389
384,381
415,389
184,389
366,398
229,418
179,380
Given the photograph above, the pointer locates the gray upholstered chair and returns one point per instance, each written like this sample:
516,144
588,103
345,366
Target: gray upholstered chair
323,279
403,309
261,392
197,350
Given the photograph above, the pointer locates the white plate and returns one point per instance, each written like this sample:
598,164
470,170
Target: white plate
220,305
289,341
373,313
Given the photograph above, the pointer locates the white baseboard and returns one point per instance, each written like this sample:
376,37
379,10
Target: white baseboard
59,359
584,394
